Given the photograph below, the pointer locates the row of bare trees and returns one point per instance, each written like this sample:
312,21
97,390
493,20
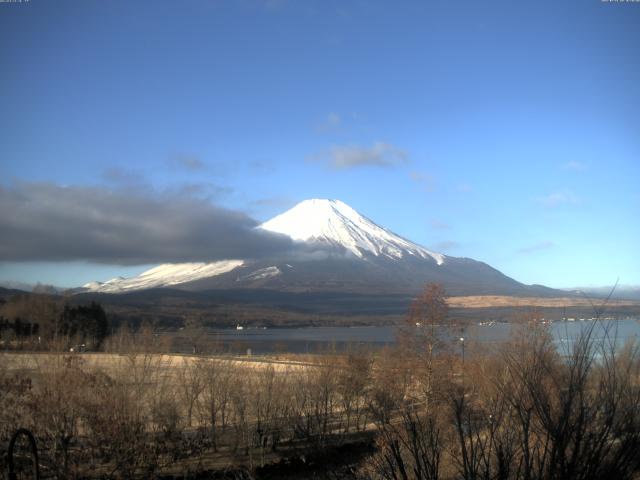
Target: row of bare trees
122,416
526,410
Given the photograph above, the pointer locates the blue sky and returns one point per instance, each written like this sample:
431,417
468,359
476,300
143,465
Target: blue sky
504,131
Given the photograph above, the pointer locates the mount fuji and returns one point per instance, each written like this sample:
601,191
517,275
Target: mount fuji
334,249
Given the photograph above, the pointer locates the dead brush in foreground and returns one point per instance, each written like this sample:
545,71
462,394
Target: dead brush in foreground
525,411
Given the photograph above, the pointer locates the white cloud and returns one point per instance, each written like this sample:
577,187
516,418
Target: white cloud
556,199
331,123
574,166
427,181
380,154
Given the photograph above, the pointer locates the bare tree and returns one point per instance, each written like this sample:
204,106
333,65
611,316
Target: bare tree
190,385
215,400
56,406
353,379
421,337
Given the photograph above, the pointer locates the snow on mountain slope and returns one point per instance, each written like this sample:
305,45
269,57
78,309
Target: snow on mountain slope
335,222
267,272
165,275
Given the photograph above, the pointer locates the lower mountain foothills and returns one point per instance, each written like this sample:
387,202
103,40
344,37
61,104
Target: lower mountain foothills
333,249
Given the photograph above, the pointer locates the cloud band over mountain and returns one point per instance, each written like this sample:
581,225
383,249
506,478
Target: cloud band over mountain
48,222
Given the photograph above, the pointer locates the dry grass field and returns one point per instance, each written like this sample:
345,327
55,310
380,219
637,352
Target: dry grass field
109,362
486,301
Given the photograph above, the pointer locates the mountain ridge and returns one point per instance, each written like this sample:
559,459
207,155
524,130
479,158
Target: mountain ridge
335,249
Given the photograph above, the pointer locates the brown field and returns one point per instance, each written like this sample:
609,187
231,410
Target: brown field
31,361
141,413
485,301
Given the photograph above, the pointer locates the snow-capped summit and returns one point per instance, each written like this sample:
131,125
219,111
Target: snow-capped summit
336,223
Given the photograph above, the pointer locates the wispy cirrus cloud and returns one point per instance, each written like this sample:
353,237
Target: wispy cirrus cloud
278,201
262,167
556,199
331,123
124,179
574,166
426,181
380,154
122,176
203,190
439,225
446,246
192,163
537,247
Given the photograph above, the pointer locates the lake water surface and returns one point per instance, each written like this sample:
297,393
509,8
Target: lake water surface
317,339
